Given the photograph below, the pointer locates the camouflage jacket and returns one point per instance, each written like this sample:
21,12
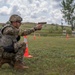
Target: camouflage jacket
10,33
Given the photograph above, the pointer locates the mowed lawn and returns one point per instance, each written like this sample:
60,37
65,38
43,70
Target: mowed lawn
51,56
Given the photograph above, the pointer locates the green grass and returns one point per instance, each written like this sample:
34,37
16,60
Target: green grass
47,30
51,56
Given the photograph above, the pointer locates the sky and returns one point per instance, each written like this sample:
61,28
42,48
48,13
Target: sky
32,10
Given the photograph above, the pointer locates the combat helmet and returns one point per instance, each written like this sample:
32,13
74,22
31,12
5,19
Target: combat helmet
14,18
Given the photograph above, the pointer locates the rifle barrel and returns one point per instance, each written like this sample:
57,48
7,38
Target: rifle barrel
41,22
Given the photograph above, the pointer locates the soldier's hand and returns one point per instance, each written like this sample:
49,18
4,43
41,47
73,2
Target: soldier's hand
38,27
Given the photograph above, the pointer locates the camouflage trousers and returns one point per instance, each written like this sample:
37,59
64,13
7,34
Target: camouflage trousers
19,49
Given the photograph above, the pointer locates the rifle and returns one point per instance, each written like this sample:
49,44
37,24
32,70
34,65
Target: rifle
42,22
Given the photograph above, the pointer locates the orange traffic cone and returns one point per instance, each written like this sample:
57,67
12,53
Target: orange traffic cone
34,36
26,54
67,36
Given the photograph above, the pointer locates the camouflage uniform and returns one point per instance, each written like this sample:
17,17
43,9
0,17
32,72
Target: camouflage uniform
9,37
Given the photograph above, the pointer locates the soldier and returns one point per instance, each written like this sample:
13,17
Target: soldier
11,50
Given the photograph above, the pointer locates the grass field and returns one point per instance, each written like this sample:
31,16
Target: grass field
51,56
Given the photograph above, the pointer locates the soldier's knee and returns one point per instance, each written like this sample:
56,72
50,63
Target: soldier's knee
23,44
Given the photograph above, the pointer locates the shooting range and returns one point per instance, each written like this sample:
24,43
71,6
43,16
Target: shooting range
50,50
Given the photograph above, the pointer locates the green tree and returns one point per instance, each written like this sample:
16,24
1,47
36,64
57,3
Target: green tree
68,9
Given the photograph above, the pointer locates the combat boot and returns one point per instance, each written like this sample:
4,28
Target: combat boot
20,65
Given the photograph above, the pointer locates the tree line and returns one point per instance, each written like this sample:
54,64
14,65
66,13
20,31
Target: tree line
68,10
